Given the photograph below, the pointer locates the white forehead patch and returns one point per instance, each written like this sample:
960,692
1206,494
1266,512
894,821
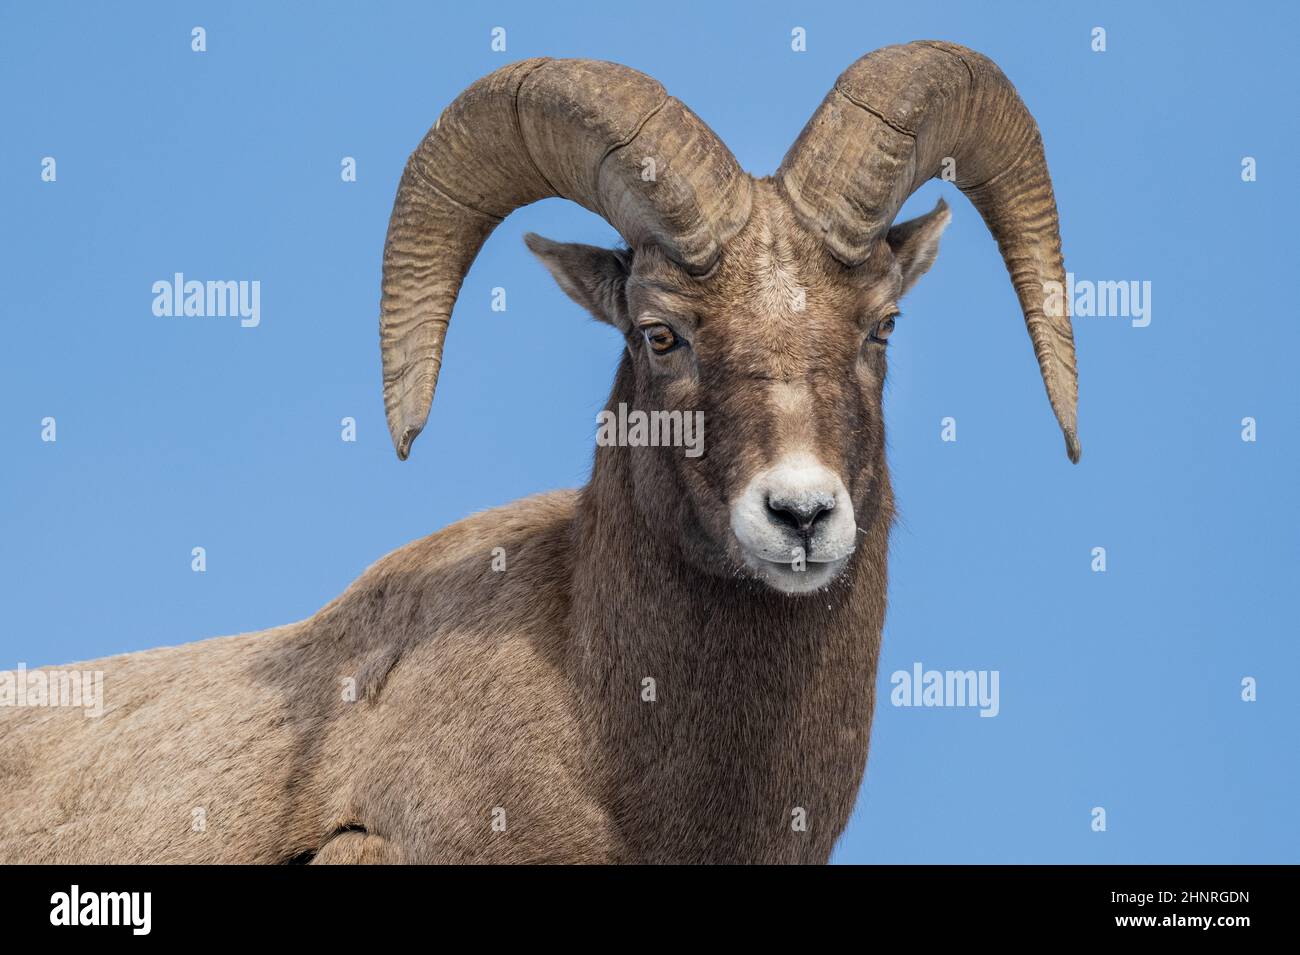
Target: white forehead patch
791,398
792,412
776,283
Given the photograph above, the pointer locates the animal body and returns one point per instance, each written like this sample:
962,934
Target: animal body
677,662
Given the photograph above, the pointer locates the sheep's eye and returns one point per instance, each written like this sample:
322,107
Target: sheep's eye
661,339
882,331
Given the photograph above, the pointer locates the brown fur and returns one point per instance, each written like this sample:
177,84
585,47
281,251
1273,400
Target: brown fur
523,689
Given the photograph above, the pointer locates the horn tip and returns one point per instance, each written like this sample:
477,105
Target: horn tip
1072,447
404,443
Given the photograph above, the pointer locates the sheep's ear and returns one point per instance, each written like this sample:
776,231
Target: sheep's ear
593,277
916,243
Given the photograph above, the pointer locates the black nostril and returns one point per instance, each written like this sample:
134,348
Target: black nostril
799,513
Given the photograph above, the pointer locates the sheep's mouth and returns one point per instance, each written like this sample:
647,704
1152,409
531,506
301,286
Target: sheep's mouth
790,578
793,524
832,559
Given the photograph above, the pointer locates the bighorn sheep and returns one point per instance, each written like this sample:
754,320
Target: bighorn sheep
505,716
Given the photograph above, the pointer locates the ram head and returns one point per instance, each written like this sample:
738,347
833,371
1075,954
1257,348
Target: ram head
766,304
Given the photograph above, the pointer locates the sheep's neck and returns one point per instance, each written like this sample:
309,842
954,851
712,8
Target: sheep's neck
724,715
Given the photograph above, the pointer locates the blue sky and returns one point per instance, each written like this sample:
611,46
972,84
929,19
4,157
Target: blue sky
1119,689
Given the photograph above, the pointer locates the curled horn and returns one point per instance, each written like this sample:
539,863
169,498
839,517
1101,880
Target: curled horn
889,124
539,128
